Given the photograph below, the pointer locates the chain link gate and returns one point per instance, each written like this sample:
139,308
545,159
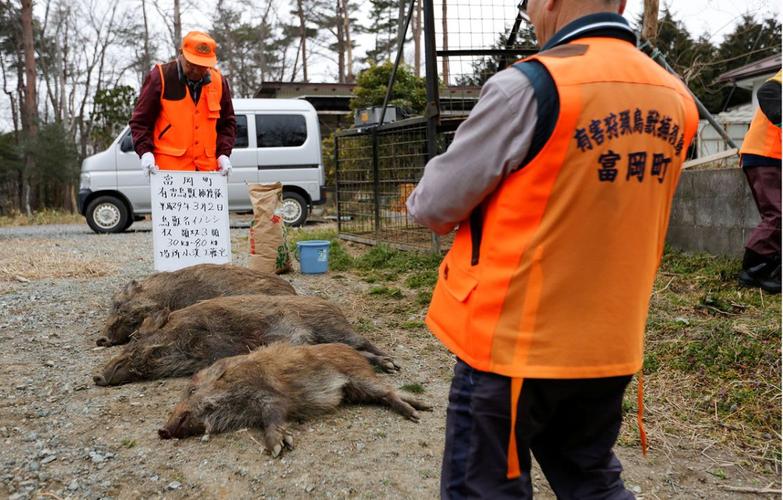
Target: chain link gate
377,167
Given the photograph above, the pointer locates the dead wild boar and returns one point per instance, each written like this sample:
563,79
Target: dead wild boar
277,383
179,343
178,289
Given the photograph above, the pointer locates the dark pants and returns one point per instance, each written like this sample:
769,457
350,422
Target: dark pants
764,183
569,425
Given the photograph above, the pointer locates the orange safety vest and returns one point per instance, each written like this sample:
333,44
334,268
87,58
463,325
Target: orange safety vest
185,134
559,286
763,137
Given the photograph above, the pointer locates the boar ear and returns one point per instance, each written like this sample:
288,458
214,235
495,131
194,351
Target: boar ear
218,369
160,318
131,288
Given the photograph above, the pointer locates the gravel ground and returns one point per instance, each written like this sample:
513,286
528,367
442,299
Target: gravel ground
64,437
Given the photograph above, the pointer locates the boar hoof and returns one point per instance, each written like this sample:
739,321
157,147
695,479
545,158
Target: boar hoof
288,440
276,450
99,380
389,365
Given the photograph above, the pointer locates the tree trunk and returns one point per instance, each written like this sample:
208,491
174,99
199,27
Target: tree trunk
417,39
30,115
63,73
177,27
340,45
303,36
296,62
348,48
445,74
147,62
650,23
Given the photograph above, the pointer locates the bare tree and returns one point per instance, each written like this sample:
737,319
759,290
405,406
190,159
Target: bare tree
340,46
173,22
30,114
177,25
302,40
348,44
147,59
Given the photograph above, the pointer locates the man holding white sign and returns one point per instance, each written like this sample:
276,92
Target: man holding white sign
184,125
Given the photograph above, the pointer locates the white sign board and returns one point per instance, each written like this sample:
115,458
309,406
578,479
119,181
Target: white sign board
189,219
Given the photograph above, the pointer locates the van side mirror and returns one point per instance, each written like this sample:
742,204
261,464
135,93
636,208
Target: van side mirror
126,145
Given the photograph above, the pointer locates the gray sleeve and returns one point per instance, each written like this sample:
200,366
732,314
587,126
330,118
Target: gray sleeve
488,145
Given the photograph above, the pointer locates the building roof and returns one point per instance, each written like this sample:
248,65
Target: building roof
755,70
301,89
738,114
334,98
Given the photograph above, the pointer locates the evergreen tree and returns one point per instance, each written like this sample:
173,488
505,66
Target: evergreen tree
699,63
408,92
385,22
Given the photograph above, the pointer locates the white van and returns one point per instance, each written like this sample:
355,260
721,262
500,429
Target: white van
278,140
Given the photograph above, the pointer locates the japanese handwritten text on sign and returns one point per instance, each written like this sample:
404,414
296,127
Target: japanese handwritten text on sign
189,219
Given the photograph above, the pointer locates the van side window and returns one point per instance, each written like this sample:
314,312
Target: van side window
279,131
126,144
242,140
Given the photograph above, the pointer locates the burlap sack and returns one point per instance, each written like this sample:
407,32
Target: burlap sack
268,248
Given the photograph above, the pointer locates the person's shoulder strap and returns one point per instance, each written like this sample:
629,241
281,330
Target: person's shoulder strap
547,104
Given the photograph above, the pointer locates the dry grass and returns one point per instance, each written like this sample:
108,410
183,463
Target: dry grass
41,218
712,364
34,259
712,358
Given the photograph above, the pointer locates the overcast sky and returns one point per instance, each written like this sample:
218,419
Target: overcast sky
479,19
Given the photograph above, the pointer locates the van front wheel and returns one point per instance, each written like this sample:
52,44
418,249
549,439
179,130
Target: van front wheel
294,208
107,214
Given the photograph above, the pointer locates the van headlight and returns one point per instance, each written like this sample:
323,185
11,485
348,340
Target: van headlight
84,181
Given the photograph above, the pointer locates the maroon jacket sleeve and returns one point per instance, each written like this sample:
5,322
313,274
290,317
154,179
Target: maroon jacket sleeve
226,124
145,114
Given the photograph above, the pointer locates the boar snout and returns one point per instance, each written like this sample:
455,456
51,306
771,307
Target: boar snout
104,342
116,372
181,425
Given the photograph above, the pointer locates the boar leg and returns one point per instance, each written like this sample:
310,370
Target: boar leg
373,354
276,437
365,389
385,363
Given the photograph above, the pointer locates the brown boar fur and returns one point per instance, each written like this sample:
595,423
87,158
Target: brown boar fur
178,289
277,383
179,343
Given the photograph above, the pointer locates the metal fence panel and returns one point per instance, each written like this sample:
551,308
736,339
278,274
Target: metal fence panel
376,172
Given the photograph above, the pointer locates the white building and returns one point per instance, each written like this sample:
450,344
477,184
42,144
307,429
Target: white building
735,121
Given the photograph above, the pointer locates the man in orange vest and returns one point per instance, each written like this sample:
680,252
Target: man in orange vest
561,182
184,118
761,162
